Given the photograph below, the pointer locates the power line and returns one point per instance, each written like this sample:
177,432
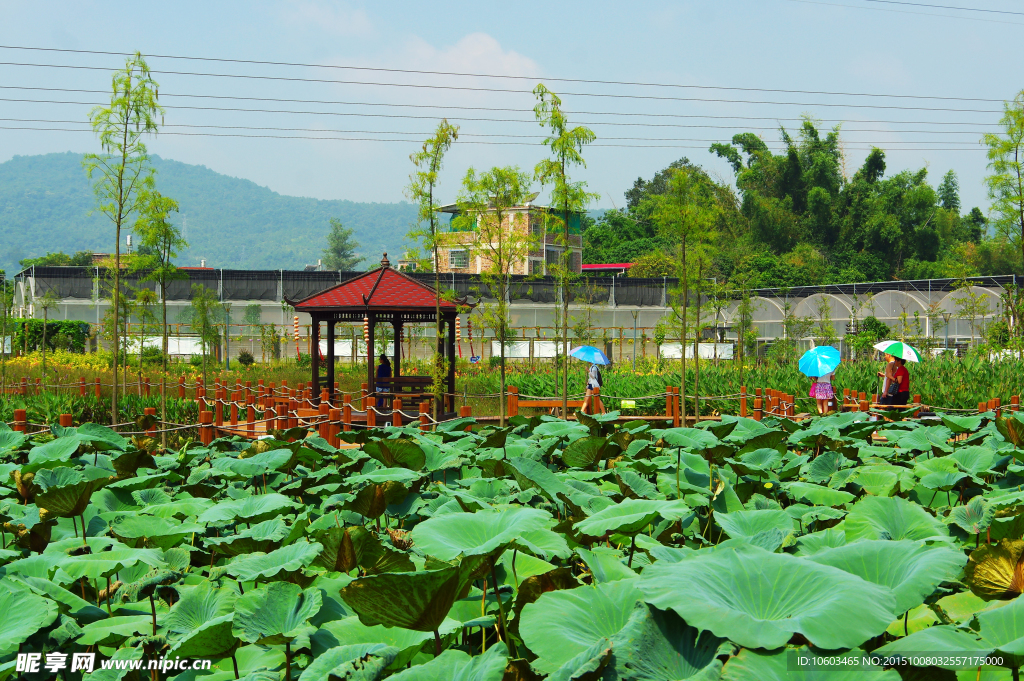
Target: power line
1001,22
462,119
464,88
587,81
421,134
962,9
365,139
446,107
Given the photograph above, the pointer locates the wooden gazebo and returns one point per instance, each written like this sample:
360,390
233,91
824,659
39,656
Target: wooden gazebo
381,295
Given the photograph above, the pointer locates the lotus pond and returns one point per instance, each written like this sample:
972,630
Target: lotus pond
546,550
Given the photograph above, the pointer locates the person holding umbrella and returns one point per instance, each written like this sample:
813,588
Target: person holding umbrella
897,390
588,353
820,363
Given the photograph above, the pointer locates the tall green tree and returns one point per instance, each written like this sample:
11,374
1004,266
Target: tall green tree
162,240
422,183
686,214
121,175
340,253
567,197
1006,183
485,207
206,313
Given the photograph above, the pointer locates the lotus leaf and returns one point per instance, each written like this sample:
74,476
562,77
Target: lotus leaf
261,537
973,517
22,614
360,661
760,599
455,665
656,644
756,665
749,523
892,518
397,453
631,516
248,509
911,570
289,558
115,630
817,495
941,637
562,624
997,571
406,642
585,452
605,564
65,492
275,613
105,563
487,532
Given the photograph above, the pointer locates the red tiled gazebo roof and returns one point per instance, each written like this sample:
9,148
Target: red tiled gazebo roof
376,289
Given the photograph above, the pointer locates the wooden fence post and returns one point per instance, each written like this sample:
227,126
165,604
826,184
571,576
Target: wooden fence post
65,419
668,402
743,401
371,414
466,411
758,407
1014,402
864,405
181,387
424,419
333,427
150,411
205,429
677,398
362,396
346,413
218,409
324,408
20,419
293,411
97,388
81,386
396,416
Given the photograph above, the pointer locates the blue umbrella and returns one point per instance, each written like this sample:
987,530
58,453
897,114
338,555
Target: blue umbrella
590,354
819,361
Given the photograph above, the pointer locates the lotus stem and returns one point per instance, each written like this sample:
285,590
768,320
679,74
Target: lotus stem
514,575
152,607
501,613
632,548
234,663
437,644
288,661
108,595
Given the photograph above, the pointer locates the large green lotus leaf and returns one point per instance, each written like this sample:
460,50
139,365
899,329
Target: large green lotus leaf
961,424
816,495
275,613
414,600
758,462
809,544
68,603
101,437
760,599
529,473
105,563
758,665
562,624
974,460
22,614
288,558
943,481
372,500
879,483
559,428
997,571
584,452
351,547
605,564
11,440
892,518
923,438
151,531
1003,630
397,453
263,537
655,645
455,665
693,439
631,516
212,638
358,662
824,466
911,570
773,439
743,524
350,630
250,467
973,517
197,605
247,509
1012,428
114,631
935,639
486,532
65,492
60,449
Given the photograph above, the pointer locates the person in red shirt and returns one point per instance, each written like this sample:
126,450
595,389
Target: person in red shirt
902,377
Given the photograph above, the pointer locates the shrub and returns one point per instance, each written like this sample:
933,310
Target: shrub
304,361
196,360
245,358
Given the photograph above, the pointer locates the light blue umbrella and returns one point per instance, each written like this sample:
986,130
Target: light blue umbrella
819,361
590,354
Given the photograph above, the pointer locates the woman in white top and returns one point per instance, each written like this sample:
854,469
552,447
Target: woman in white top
823,392
593,391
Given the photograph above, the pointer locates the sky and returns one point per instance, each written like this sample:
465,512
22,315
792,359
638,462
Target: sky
672,77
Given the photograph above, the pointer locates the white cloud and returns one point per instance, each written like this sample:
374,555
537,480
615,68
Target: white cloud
333,18
474,53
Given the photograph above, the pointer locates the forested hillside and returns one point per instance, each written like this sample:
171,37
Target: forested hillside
797,219
45,204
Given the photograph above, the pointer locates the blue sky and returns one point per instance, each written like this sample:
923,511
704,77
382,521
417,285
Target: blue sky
855,46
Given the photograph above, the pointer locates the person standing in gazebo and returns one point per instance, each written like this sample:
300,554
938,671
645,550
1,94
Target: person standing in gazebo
383,371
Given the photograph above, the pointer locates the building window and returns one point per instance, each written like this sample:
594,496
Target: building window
536,266
458,259
552,255
536,224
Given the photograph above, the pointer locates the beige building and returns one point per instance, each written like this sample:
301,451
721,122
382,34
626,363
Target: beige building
461,253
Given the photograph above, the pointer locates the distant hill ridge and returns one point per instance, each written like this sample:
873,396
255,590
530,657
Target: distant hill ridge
45,202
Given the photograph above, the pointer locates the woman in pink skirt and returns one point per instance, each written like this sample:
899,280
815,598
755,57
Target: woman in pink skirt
823,393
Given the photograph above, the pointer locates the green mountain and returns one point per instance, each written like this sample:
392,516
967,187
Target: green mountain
46,200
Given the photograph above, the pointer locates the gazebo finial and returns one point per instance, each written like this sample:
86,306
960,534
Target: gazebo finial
384,261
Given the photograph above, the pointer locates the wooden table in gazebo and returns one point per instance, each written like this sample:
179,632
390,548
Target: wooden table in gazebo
388,296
